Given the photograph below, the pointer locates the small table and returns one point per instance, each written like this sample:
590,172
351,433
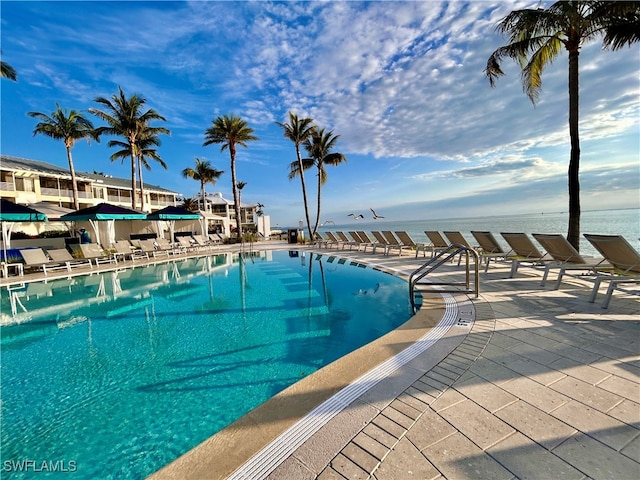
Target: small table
16,266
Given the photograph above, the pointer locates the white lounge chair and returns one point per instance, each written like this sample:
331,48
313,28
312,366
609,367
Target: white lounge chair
566,257
93,251
62,255
524,251
438,243
624,259
36,258
368,242
126,251
407,241
490,249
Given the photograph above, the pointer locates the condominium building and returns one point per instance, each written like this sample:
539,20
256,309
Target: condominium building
30,181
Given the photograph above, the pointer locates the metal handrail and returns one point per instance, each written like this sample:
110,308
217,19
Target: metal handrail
440,259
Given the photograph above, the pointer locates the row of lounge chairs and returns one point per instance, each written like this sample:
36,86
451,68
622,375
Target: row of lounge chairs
619,263
88,255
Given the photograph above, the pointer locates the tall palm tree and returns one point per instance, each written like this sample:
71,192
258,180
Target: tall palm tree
204,173
298,130
231,131
67,126
319,147
124,117
144,150
536,37
241,186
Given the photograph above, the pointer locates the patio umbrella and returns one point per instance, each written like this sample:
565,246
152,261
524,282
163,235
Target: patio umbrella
10,213
103,212
170,214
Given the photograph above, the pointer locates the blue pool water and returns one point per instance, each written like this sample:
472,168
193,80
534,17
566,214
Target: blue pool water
115,375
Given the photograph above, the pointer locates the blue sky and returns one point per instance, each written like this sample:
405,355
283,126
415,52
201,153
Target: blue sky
401,82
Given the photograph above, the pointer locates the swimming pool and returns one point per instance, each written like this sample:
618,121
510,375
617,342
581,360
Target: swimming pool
117,374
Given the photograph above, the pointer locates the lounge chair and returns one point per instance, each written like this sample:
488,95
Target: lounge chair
490,249
164,245
457,238
524,251
566,257
62,255
126,251
332,240
407,241
370,243
622,256
392,242
148,246
382,241
438,243
203,243
358,242
345,240
319,240
36,258
216,238
93,251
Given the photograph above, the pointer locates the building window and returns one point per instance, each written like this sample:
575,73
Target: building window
24,184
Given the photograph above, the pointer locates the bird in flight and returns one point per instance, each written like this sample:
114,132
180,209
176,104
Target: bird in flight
327,223
355,215
375,215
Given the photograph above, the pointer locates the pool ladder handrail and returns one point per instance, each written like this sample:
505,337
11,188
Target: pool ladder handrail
440,259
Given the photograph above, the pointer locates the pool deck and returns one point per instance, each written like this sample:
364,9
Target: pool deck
525,382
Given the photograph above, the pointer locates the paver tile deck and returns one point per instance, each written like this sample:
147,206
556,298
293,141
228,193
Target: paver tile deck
547,386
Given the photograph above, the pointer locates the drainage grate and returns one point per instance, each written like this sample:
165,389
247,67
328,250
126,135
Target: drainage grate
271,456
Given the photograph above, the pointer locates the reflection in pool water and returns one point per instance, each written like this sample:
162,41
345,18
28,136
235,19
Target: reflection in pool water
124,371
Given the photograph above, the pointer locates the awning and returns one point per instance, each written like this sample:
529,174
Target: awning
173,213
14,212
103,211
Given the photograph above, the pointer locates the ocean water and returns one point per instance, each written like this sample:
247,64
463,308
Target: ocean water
606,222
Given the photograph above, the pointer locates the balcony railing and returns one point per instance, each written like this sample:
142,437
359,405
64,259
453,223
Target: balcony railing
116,198
8,186
64,193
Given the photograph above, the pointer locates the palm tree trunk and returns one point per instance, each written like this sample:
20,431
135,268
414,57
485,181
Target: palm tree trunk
133,180
141,185
236,200
315,227
304,192
74,185
573,235
202,194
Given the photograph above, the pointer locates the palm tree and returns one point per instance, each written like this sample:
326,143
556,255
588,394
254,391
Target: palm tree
231,131
536,37
7,71
124,117
67,126
204,173
144,150
298,130
319,147
190,204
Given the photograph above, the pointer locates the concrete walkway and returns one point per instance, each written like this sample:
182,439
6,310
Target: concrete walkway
529,382
543,385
